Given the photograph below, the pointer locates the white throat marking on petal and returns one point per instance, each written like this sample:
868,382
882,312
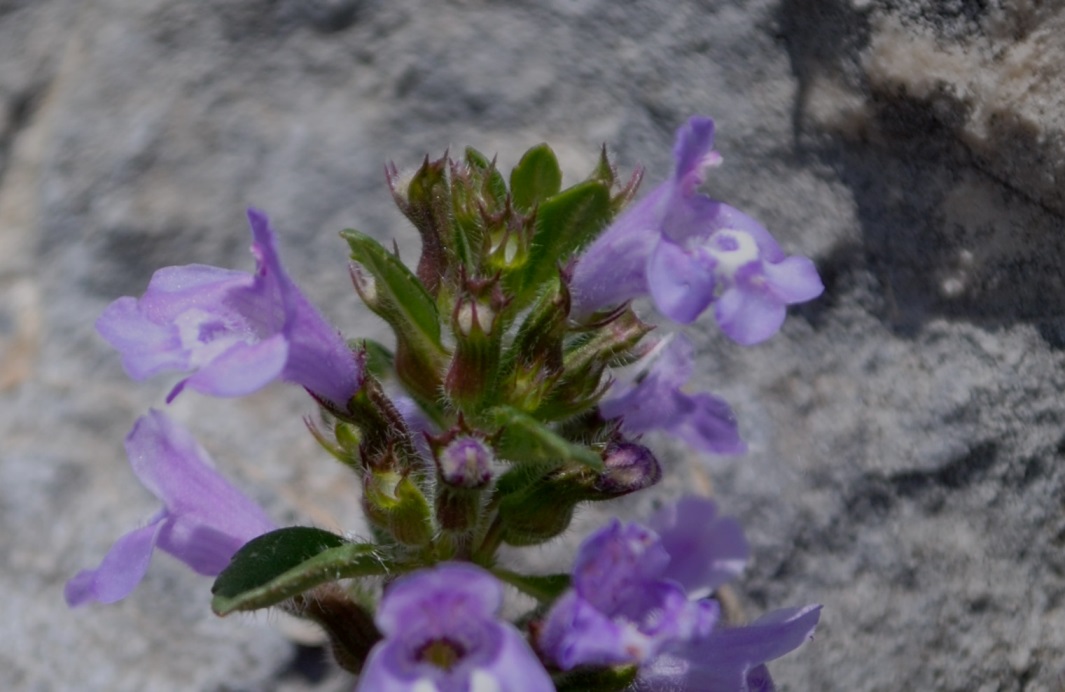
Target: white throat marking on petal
483,681
730,249
424,685
205,335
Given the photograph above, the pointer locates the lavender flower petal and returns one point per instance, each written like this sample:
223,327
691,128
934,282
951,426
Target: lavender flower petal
238,371
792,280
732,659
420,425
233,331
613,268
621,609
160,332
706,549
442,633
693,153
679,283
748,316
122,569
204,519
657,402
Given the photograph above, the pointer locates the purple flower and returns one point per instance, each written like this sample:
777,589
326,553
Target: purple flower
732,659
203,522
235,332
689,251
442,633
631,602
628,467
706,549
622,608
656,402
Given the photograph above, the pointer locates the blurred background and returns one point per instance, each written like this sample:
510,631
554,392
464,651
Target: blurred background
906,429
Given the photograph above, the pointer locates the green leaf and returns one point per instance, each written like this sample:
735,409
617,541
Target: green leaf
564,224
393,292
535,178
397,295
526,439
545,588
476,159
286,562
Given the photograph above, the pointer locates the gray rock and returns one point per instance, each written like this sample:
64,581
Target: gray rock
906,429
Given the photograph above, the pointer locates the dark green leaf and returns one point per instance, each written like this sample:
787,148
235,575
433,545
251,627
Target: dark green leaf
535,178
287,562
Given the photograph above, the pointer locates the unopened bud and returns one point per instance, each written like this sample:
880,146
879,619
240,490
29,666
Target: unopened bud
464,470
629,467
466,462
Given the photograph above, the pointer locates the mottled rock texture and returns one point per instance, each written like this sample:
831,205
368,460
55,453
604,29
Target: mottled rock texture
907,430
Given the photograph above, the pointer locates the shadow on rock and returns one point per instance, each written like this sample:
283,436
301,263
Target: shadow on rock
948,227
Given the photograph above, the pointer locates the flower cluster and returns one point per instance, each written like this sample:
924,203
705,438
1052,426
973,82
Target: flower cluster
519,387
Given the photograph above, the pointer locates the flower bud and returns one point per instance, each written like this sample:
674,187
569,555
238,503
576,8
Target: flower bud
541,333
629,467
464,471
466,462
537,511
